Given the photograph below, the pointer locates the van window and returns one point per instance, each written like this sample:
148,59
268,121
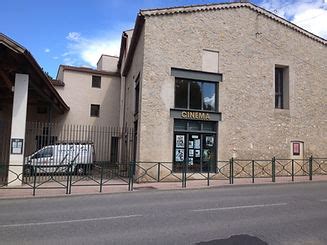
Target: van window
47,152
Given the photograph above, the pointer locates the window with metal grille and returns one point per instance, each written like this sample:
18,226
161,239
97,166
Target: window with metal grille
96,81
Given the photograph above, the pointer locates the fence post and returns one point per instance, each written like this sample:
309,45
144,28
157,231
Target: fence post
273,169
101,177
310,167
208,177
292,169
67,182
158,180
231,168
184,175
252,171
34,181
130,175
230,171
70,177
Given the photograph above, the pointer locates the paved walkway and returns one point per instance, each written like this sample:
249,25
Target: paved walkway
52,189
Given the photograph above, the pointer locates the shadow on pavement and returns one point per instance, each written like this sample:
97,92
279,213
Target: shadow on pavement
236,240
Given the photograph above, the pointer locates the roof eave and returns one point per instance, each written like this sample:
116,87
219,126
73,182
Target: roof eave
135,38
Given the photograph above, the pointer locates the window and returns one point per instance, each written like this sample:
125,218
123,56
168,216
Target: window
195,144
47,152
281,87
296,149
137,97
196,95
95,110
96,81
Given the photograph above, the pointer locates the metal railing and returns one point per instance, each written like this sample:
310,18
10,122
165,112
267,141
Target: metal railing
101,174
64,177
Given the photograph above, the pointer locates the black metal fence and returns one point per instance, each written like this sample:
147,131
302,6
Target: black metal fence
63,176
231,170
101,174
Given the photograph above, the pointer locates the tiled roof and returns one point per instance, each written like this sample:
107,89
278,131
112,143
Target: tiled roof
221,6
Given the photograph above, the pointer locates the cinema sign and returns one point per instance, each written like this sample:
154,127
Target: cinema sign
195,115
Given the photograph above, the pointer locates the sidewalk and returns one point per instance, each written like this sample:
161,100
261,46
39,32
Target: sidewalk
120,187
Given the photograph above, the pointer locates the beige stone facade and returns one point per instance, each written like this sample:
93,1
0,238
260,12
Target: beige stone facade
250,42
79,93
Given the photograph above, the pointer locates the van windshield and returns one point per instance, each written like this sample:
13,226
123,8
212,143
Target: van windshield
46,152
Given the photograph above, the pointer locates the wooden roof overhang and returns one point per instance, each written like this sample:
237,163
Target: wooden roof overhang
14,58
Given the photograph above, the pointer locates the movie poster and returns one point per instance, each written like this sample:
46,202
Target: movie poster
209,141
180,141
179,155
190,152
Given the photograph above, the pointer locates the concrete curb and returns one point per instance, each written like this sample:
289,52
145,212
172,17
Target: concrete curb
162,190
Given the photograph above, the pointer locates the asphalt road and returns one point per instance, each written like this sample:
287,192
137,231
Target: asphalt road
269,214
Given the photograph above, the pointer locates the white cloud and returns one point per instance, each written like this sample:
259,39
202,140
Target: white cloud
84,51
308,14
73,36
47,50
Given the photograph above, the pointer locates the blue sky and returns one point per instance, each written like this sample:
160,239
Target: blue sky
76,32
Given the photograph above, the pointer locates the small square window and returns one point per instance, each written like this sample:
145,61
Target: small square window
96,82
95,111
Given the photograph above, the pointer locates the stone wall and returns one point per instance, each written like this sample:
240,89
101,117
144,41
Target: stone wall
249,45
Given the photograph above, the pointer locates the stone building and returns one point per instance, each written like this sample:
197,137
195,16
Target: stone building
210,82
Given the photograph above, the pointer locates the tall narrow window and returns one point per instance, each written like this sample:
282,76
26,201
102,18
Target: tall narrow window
96,81
195,95
181,93
281,88
137,97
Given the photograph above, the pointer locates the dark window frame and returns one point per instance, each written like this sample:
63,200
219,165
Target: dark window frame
137,95
189,82
93,113
96,81
279,88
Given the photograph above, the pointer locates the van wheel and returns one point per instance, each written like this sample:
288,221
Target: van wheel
80,170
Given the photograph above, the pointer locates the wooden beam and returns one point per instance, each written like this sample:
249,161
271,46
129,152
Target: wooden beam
6,80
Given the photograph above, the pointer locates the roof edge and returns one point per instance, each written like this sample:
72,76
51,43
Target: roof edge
134,41
11,44
88,70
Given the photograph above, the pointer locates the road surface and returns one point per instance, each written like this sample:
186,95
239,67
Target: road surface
266,214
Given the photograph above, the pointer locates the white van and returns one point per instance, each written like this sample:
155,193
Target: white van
80,156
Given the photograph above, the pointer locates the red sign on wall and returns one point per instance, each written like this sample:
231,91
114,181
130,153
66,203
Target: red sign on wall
296,149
